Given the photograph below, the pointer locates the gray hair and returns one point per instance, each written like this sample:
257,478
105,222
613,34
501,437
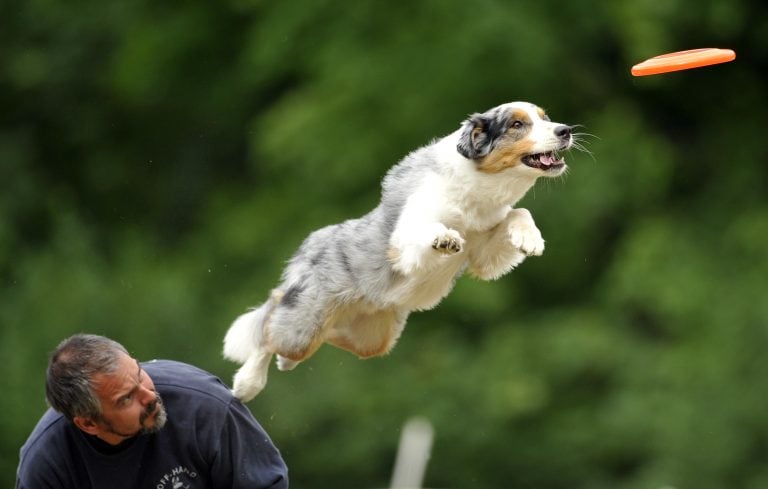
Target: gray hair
72,366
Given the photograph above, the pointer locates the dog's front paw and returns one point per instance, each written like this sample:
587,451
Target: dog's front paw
423,248
529,241
523,233
449,242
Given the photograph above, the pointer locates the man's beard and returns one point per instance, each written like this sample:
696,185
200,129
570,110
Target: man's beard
160,418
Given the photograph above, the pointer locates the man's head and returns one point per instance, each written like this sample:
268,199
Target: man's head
95,383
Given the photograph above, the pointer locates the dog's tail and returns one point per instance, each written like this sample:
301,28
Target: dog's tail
246,332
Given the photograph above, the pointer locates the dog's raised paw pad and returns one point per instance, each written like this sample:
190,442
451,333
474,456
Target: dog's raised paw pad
446,244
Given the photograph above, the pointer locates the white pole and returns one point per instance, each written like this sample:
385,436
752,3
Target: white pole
412,454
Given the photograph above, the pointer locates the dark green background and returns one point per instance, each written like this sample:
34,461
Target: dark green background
161,160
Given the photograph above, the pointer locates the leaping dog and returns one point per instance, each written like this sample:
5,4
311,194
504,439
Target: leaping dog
446,208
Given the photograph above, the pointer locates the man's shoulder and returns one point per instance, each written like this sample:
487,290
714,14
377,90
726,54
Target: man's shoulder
173,377
52,433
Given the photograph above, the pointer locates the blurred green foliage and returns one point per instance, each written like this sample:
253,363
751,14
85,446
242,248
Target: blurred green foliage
161,161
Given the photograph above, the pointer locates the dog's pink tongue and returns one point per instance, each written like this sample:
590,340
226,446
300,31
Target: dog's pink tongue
547,159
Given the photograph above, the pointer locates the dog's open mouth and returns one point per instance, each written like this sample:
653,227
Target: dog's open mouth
544,161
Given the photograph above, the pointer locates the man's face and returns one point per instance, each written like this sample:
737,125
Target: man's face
130,405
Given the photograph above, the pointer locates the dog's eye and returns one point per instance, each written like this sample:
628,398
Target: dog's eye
517,124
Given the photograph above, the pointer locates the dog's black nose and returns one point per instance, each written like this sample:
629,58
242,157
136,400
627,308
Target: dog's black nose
563,131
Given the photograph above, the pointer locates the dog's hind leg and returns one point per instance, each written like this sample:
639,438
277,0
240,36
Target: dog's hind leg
284,364
251,378
294,330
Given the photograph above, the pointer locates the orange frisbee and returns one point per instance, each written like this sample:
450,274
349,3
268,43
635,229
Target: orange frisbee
683,60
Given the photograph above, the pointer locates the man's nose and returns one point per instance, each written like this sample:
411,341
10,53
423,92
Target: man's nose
147,396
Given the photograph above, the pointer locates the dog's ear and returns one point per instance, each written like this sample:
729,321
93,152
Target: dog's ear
478,136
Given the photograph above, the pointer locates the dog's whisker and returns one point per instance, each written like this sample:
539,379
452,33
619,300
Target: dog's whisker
585,135
580,141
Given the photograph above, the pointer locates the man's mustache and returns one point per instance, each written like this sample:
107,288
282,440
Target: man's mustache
151,408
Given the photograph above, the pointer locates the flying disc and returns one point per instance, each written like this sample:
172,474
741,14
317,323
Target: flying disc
683,60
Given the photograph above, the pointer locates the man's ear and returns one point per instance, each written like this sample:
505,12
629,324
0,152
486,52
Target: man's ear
478,136
87,424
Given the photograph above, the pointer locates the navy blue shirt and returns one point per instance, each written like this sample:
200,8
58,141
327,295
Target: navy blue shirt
210,440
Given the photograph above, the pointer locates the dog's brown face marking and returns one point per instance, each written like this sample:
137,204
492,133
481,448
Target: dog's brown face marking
514,145
515,118
506,155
